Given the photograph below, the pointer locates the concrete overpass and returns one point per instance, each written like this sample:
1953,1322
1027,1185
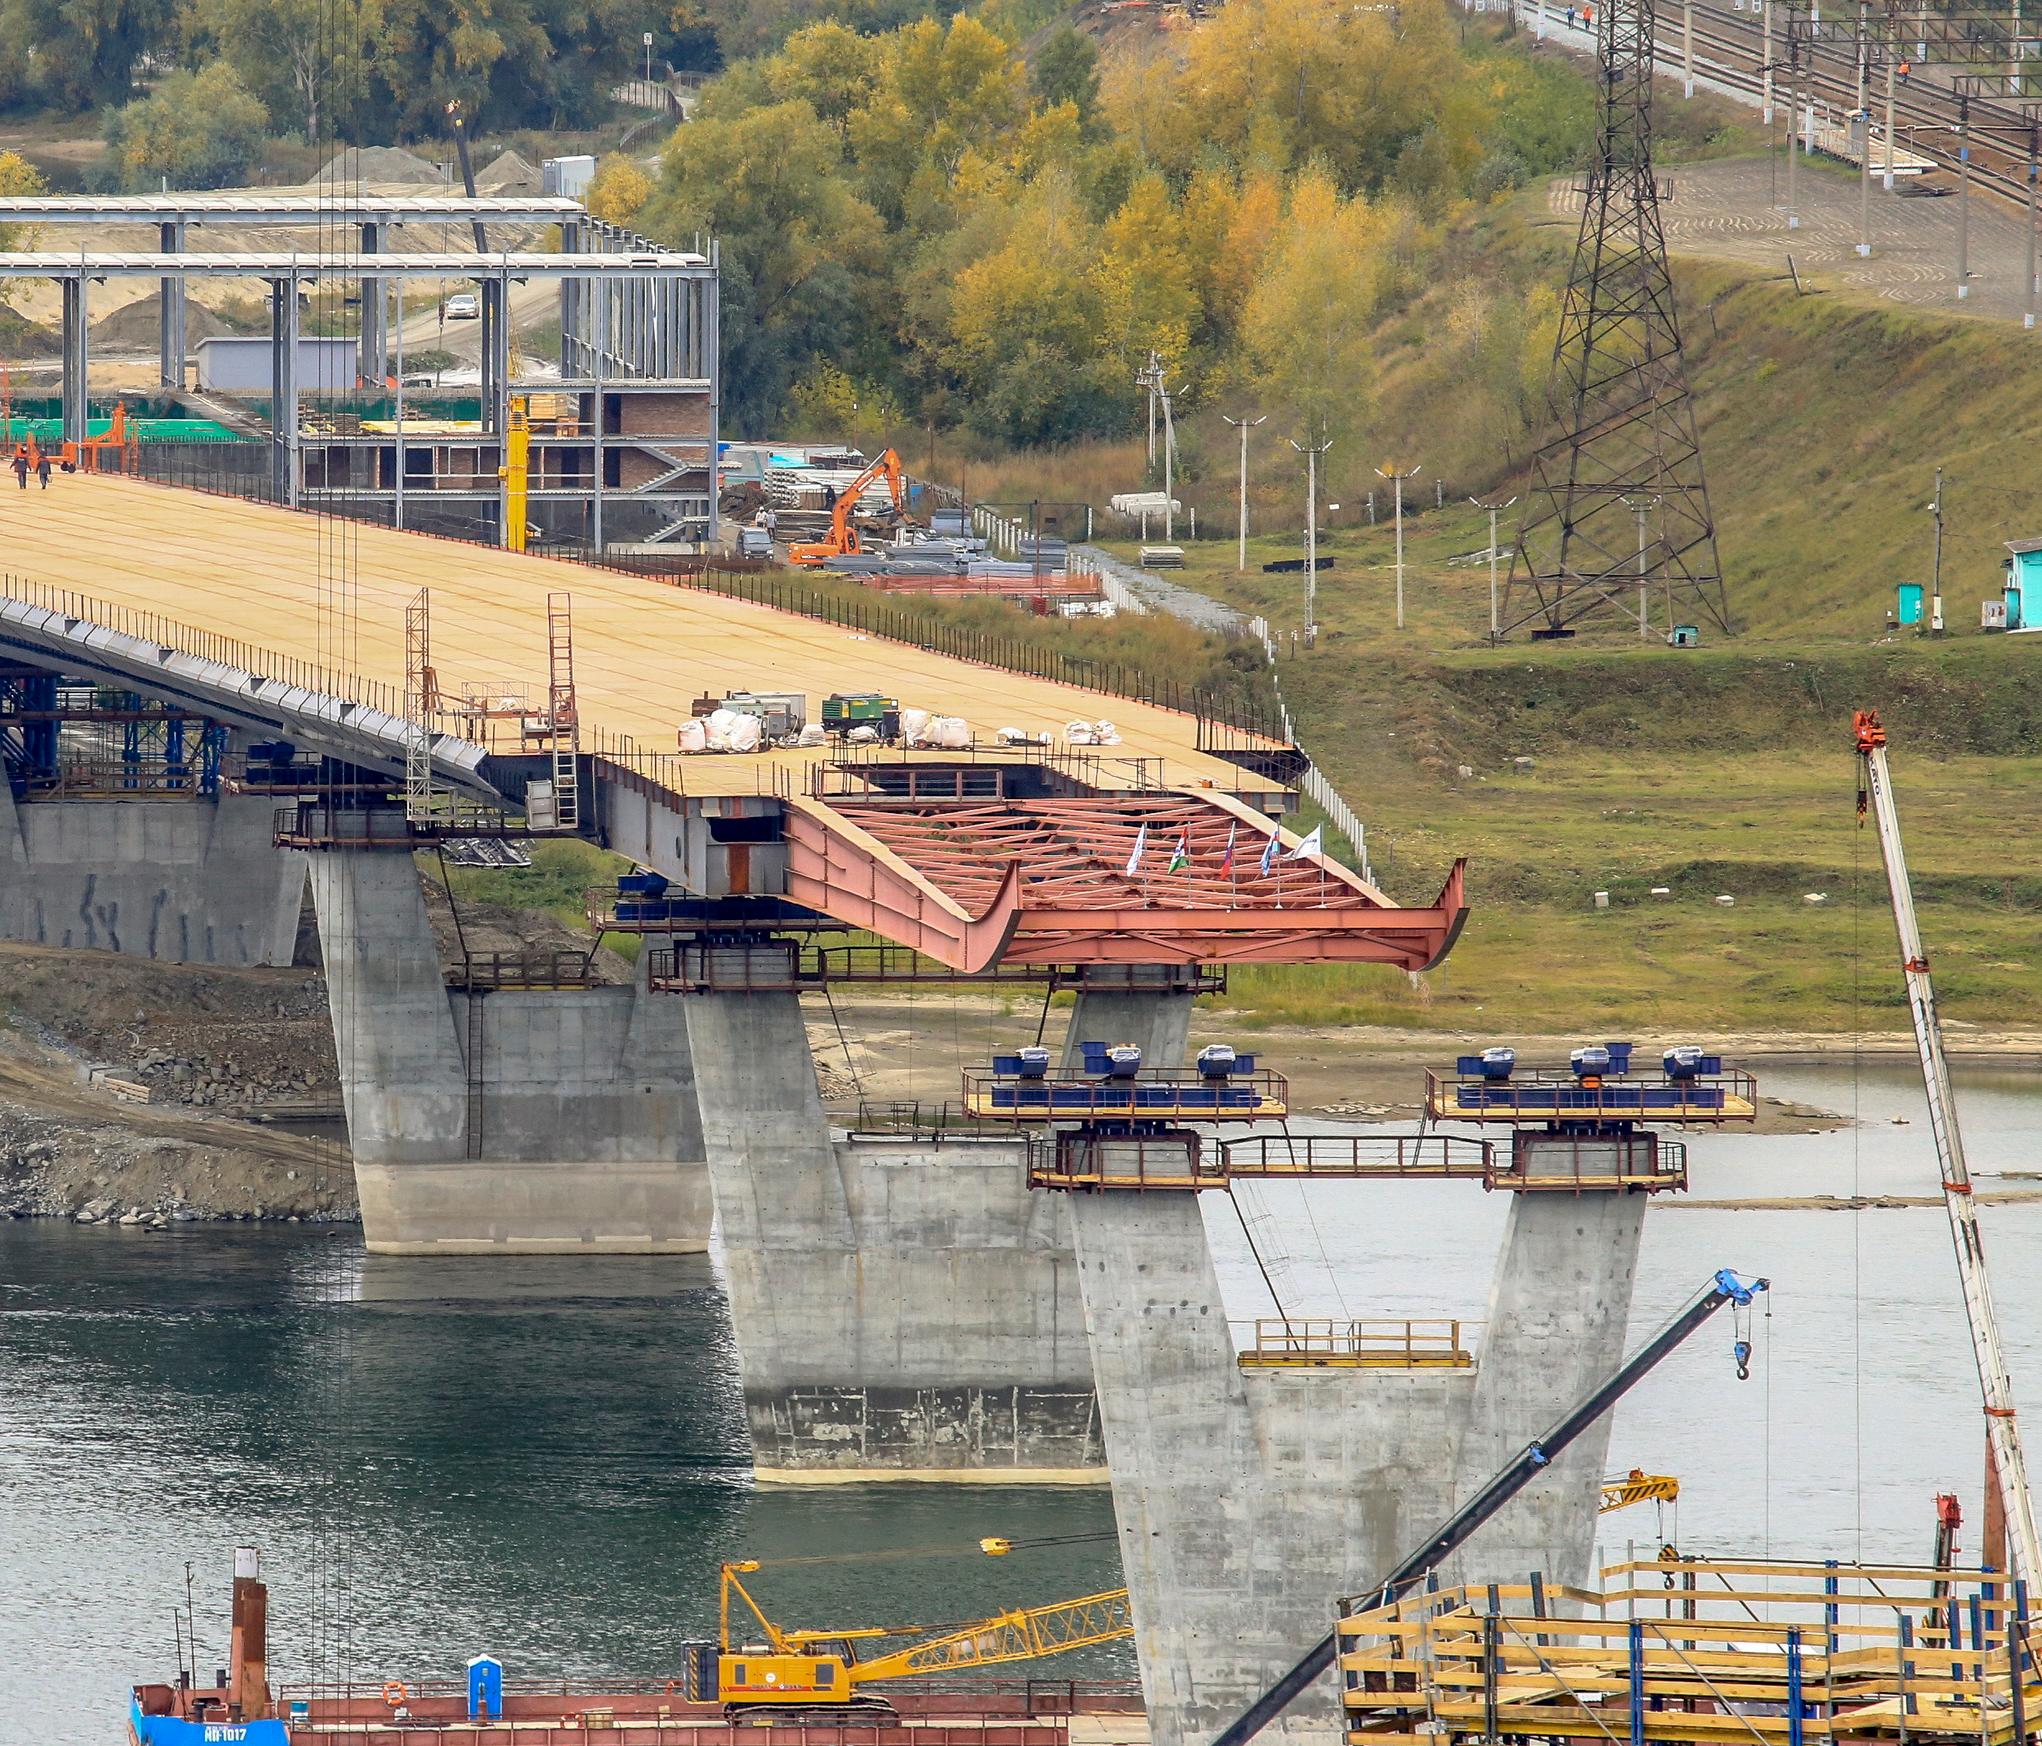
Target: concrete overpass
277,700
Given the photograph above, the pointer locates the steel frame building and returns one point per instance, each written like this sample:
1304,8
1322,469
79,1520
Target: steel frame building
627,453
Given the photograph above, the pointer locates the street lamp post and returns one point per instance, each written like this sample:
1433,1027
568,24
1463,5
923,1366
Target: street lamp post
1397,476
1244,426
1311,454
1494,509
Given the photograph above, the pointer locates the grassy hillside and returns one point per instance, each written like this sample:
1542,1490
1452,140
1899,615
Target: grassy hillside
1725,770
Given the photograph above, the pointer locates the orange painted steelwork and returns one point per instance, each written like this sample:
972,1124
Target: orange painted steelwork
1046,881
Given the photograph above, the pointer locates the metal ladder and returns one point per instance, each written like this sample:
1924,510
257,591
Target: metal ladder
560,709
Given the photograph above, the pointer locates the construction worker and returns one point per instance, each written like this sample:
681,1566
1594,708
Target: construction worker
21,467
42,468
1904,69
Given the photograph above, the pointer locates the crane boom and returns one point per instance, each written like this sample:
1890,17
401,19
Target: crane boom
2002,1431
1637,1488
843,535
1017,1636
1504,1485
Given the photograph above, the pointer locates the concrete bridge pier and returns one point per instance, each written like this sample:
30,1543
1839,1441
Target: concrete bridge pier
1250,1500
176,878
1558,1310
904,1308
516,1120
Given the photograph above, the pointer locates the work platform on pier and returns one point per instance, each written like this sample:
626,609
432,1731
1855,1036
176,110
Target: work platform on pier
1691,1652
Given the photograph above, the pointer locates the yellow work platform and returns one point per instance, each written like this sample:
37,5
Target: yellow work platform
332,594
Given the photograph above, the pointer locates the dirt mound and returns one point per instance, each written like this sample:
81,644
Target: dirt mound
22,338
509,174
135,326
374,164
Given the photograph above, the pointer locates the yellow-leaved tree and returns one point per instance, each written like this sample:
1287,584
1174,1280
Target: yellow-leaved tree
1308,321
618,190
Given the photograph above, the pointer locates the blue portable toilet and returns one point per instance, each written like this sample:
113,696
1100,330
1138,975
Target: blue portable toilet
485,1689
1909,603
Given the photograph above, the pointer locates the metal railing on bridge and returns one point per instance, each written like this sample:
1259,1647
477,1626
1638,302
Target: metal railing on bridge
1325,1343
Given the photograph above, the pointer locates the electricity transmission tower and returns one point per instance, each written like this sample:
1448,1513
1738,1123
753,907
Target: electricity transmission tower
1618,393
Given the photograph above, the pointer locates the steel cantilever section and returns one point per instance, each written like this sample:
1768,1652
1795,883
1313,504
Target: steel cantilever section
1056,881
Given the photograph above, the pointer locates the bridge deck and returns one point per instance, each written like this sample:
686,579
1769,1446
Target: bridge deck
334,593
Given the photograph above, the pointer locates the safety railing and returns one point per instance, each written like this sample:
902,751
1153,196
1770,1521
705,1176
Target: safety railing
1717,1097
1277,1342
116,777
1363,1157
486,972
1702,1652
1580,1164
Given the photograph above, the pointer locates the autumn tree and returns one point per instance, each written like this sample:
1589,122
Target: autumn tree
770,186
195,130
618,190
1309,320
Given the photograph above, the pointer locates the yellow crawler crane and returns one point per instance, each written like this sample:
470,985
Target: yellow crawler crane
809,1672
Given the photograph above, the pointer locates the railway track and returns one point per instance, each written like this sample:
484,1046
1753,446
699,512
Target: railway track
1730,52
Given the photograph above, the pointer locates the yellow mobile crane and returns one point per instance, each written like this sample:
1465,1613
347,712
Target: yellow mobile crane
810,1672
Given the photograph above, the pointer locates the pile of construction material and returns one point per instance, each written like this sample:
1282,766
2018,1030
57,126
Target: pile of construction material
801,498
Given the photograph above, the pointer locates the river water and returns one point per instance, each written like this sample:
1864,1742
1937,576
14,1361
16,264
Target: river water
545,1459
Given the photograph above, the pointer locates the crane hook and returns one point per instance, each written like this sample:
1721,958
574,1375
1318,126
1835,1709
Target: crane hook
1741,1351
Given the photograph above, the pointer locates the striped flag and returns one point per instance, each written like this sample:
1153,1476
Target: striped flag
1180,857
1227,860
1141,847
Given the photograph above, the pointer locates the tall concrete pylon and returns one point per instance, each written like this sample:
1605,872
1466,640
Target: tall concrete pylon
904,1308
1250,1502
536,1121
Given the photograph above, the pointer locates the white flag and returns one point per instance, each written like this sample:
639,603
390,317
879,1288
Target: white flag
1313,846
1141,843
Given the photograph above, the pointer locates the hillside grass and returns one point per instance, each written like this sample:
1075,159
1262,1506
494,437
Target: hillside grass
1723,770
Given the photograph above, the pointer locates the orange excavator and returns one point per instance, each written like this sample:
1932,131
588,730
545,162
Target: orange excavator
843,537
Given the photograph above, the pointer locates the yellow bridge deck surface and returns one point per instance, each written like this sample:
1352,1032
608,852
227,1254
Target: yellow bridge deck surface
335,592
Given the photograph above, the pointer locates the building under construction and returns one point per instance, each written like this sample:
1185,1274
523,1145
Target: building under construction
610,444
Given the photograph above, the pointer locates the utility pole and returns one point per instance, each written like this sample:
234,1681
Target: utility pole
1244,426
1936,583
1169,461
1687,34
1494,509
1640,507
1397,478
1766,66
1892,55
1963,192
1147,377
2034,169
1311,455
1793,123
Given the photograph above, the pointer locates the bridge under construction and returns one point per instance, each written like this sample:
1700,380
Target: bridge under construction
209,707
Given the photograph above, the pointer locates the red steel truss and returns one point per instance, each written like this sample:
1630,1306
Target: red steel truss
973,883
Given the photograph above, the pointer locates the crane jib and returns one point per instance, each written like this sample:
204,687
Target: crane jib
2007,1465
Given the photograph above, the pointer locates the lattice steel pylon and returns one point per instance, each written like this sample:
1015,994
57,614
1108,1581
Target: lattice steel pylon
1618,395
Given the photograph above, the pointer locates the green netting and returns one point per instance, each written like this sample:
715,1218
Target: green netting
49,432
